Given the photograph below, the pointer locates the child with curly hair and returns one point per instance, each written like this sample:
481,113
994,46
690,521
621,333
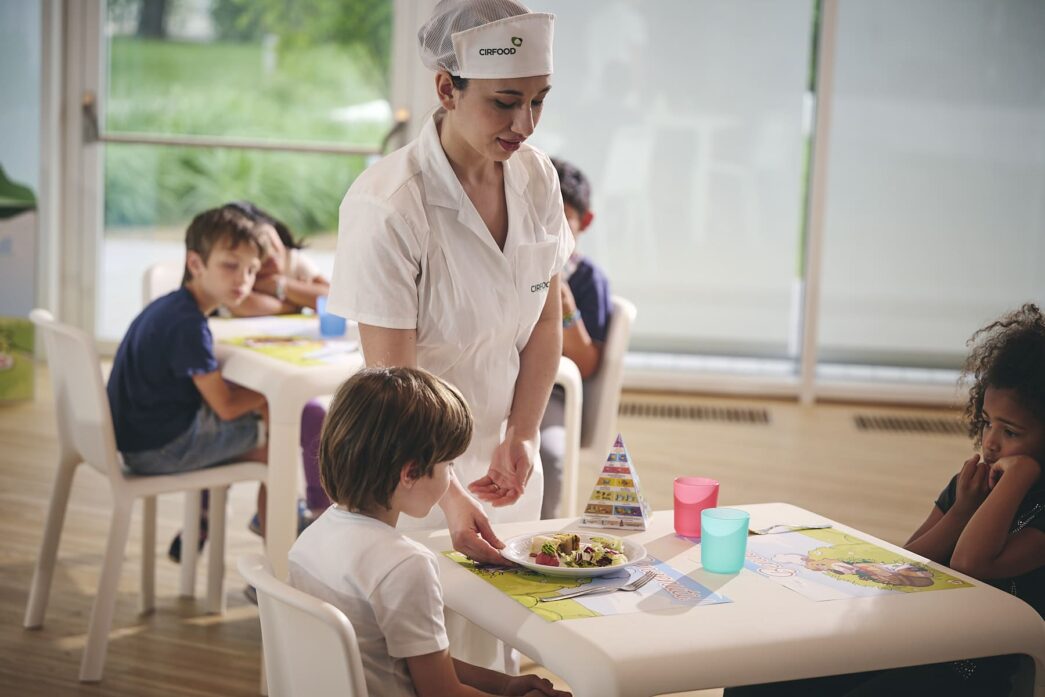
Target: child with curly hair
989,521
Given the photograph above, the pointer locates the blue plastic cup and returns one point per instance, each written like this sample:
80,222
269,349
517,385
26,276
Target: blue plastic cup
723,539
331,326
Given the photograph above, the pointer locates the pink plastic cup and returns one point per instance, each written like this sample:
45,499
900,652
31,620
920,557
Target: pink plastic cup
693,495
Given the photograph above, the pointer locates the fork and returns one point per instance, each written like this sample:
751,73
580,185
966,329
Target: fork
592,590
789,528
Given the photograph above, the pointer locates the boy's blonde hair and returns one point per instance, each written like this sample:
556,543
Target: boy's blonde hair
385,419
221,225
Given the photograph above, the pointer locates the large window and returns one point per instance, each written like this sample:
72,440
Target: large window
704,131
687,116
935,217
271,72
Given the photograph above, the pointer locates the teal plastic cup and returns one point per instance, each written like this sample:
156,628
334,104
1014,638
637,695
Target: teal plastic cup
331,326
723,539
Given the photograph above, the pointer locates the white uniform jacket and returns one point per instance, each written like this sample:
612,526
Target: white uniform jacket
413,253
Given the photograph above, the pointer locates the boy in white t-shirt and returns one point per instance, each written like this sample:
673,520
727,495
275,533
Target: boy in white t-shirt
387,448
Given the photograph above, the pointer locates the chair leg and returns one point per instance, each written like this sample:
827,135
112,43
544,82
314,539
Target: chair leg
148,594
40,590
216,558
105,601
190,534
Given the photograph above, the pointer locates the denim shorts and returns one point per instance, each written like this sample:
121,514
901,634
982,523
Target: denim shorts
208,441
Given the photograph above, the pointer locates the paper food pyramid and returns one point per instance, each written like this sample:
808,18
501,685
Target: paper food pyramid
617,500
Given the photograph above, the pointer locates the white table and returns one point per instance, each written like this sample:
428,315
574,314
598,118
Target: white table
768,633
287,387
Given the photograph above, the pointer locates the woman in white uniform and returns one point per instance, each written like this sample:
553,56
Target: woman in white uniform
449,251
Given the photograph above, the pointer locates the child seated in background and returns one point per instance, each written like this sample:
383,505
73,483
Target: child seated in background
586,309
387,448
171,409
989,521
288,282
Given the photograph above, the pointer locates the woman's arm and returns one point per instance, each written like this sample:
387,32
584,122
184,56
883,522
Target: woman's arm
985,549
512,461
388,347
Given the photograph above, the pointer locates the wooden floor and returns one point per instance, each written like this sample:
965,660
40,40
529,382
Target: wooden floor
880,482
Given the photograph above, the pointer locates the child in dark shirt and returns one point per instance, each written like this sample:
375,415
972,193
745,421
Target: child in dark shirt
172,411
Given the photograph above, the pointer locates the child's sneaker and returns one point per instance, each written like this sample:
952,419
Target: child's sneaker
304,519
174,551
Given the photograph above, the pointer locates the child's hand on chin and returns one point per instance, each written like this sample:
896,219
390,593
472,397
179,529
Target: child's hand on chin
973,486
532,686
1007,464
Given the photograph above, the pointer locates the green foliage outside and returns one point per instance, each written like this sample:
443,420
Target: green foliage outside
16,359
249,84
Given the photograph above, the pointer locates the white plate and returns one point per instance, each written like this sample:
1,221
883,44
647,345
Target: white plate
517,550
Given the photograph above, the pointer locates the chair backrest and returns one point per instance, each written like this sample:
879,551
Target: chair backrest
602,390
161,278
310,646
85,429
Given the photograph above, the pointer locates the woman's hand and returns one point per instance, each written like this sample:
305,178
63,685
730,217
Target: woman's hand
510,470
1027,466
972,486
470,529
531,686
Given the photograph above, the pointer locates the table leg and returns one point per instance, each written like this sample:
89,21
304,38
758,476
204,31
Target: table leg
284,462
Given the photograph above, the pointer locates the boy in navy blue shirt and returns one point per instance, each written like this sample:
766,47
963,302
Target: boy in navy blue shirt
172,411
586,309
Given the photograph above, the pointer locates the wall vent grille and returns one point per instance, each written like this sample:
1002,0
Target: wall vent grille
694,412
909,424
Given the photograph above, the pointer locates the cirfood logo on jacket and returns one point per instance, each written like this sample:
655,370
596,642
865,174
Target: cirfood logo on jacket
510,51
538,287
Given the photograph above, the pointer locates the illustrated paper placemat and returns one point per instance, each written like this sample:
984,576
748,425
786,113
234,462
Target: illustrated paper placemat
831,565
670,588
295,349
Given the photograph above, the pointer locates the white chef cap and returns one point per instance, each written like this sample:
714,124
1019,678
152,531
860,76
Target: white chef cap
487,39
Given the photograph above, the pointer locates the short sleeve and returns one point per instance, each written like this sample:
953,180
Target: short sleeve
408,607
591,291
191,348
1033,506
376,266
948,495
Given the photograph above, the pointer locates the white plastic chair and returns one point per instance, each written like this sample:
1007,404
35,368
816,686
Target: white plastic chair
85,435
310,646
161,278
590,420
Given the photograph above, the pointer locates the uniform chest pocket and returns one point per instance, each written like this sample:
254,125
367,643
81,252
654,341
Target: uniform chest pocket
534,269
